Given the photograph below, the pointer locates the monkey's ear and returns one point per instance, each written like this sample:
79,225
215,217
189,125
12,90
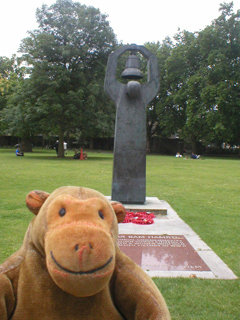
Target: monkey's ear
35,199
119,210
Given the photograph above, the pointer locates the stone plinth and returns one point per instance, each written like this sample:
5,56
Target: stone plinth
152,204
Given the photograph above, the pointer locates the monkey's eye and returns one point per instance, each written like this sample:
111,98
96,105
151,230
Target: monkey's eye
62,212
101,215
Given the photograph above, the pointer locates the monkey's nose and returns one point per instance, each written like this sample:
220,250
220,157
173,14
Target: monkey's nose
86,246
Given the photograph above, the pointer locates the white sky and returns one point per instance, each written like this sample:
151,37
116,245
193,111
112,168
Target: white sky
131,20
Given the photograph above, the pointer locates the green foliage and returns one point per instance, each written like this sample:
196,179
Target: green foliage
162,115
68,55
221,71
205,194
11,78
199,76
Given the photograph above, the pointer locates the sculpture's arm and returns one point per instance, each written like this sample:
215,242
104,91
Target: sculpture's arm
135,294
111,85
7,299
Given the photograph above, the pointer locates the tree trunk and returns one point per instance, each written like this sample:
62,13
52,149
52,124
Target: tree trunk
60,147
43,144
68,141
194,143
148,145
26,144
239,147
91,144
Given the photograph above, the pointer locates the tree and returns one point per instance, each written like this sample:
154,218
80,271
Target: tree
157,111
68,54
11,80
20,115
203,76
177,64
8,80
222,68
213,113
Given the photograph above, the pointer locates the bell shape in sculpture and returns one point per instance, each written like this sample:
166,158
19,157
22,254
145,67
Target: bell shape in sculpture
132,70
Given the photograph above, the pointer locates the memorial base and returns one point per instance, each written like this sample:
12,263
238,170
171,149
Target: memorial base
169,247
152,204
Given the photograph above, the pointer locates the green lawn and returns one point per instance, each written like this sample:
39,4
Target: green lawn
205,194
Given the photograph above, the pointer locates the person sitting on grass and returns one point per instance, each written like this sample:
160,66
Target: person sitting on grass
195,156
178,155
19,153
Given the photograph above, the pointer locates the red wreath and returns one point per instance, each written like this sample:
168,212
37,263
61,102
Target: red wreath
139,217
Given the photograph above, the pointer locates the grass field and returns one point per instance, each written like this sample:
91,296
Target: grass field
205,194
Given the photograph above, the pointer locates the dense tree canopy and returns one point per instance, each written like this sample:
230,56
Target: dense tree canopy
199,72
11,78
68,54
213,109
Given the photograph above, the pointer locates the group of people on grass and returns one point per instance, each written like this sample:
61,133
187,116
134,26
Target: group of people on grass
193,155
55,146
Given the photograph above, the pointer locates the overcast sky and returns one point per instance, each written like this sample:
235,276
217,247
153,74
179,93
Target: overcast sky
131,20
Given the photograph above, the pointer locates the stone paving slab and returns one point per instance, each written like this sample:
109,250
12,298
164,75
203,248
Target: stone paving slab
171,224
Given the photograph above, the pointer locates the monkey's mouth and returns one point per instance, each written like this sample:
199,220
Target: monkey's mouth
80,272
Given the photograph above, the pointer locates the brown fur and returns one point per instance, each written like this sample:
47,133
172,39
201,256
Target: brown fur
70,267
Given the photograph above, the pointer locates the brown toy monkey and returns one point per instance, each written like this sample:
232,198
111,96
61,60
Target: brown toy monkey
70,267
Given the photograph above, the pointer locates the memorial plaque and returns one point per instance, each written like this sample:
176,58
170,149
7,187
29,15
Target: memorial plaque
161,252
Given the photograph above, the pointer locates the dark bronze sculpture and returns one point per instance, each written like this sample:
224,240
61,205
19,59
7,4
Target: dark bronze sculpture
131,99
